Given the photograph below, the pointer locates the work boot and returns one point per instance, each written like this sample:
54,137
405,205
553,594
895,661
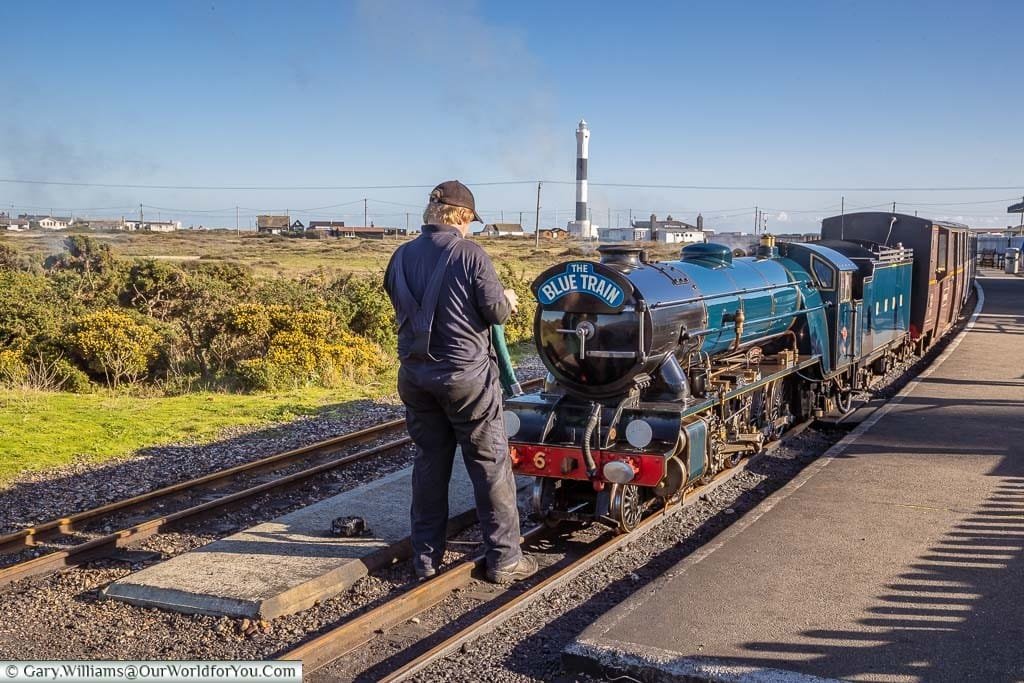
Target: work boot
523,569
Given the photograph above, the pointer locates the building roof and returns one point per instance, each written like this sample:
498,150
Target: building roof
362,228
271,222
504,227
1015,208
327,224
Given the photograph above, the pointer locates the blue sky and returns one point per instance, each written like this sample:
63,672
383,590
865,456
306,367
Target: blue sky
841,95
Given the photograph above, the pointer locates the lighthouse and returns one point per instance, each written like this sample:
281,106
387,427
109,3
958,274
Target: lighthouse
581,228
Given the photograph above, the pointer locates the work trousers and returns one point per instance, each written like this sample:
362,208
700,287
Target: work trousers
446,407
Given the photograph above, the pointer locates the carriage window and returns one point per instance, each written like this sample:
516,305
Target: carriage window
824,273
942,253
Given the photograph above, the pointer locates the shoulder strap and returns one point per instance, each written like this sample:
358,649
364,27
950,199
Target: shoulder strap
421,313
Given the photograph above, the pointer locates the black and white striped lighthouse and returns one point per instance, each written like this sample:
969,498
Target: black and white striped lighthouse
581,227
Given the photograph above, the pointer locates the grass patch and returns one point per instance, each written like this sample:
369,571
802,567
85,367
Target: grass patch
40,430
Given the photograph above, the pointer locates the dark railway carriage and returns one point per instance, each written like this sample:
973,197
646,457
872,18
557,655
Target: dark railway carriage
943,258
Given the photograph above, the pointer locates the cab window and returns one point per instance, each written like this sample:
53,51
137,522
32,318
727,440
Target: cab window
845,286
824,273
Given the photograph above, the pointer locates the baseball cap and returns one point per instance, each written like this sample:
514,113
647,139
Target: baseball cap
454,193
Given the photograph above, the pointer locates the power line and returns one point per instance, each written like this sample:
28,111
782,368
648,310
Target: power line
644,186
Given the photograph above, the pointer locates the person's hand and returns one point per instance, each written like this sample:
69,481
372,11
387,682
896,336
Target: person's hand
513,299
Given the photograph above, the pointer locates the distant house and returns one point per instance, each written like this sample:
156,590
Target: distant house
370,233
274,225
632,234
326,225
297,226
99,223
152,226
46,222
672,231
554,233
13,224
502,230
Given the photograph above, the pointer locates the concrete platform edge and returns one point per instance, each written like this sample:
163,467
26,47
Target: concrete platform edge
591,649
653,665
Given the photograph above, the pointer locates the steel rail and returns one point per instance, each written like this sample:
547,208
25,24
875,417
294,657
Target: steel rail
328,647
103,545
30,536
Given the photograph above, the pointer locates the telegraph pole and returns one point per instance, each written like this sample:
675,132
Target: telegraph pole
757,218
364,213
140,216
406,223
894,207
536,219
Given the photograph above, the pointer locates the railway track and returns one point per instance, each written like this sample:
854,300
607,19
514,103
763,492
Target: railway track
329,647
196,499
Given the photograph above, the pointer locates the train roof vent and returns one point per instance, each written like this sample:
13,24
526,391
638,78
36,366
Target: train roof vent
622,254
709,253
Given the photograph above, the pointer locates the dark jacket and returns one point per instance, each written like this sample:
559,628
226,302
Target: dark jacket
471,300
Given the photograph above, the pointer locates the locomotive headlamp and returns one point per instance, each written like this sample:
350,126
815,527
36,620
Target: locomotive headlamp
512,423
618,472
639,434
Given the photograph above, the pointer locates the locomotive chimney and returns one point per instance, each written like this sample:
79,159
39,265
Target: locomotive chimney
622,254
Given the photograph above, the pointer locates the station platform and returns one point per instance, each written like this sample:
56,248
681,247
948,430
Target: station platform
286,565
897,556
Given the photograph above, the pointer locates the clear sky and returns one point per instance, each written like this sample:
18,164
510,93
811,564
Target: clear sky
838,95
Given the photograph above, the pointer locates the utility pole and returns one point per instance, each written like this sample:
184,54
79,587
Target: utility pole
407,223
609,223
520,218
364,213
503,215
140,216
894,207
757,218
536,220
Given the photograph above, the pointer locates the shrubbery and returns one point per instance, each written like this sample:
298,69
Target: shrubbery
86,316
115,344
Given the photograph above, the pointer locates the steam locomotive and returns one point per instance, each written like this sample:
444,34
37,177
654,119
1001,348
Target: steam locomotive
663,374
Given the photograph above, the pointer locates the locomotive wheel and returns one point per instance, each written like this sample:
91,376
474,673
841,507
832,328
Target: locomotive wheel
626,507
542,500
844,400
734,459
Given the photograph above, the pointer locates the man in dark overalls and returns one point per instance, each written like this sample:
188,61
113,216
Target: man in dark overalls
446,296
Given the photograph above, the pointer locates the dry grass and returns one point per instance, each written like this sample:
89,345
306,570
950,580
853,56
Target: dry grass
276,256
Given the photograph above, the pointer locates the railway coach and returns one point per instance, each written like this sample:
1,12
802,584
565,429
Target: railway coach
945,256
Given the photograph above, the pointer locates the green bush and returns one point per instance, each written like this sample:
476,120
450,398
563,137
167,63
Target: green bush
13,369
114,344
365,308
519,327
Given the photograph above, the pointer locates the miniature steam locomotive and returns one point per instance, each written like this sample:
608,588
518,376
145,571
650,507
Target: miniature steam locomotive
663,374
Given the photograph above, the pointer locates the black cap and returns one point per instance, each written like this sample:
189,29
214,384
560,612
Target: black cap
454,193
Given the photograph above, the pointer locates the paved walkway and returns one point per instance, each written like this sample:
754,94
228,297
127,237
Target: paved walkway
898,557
